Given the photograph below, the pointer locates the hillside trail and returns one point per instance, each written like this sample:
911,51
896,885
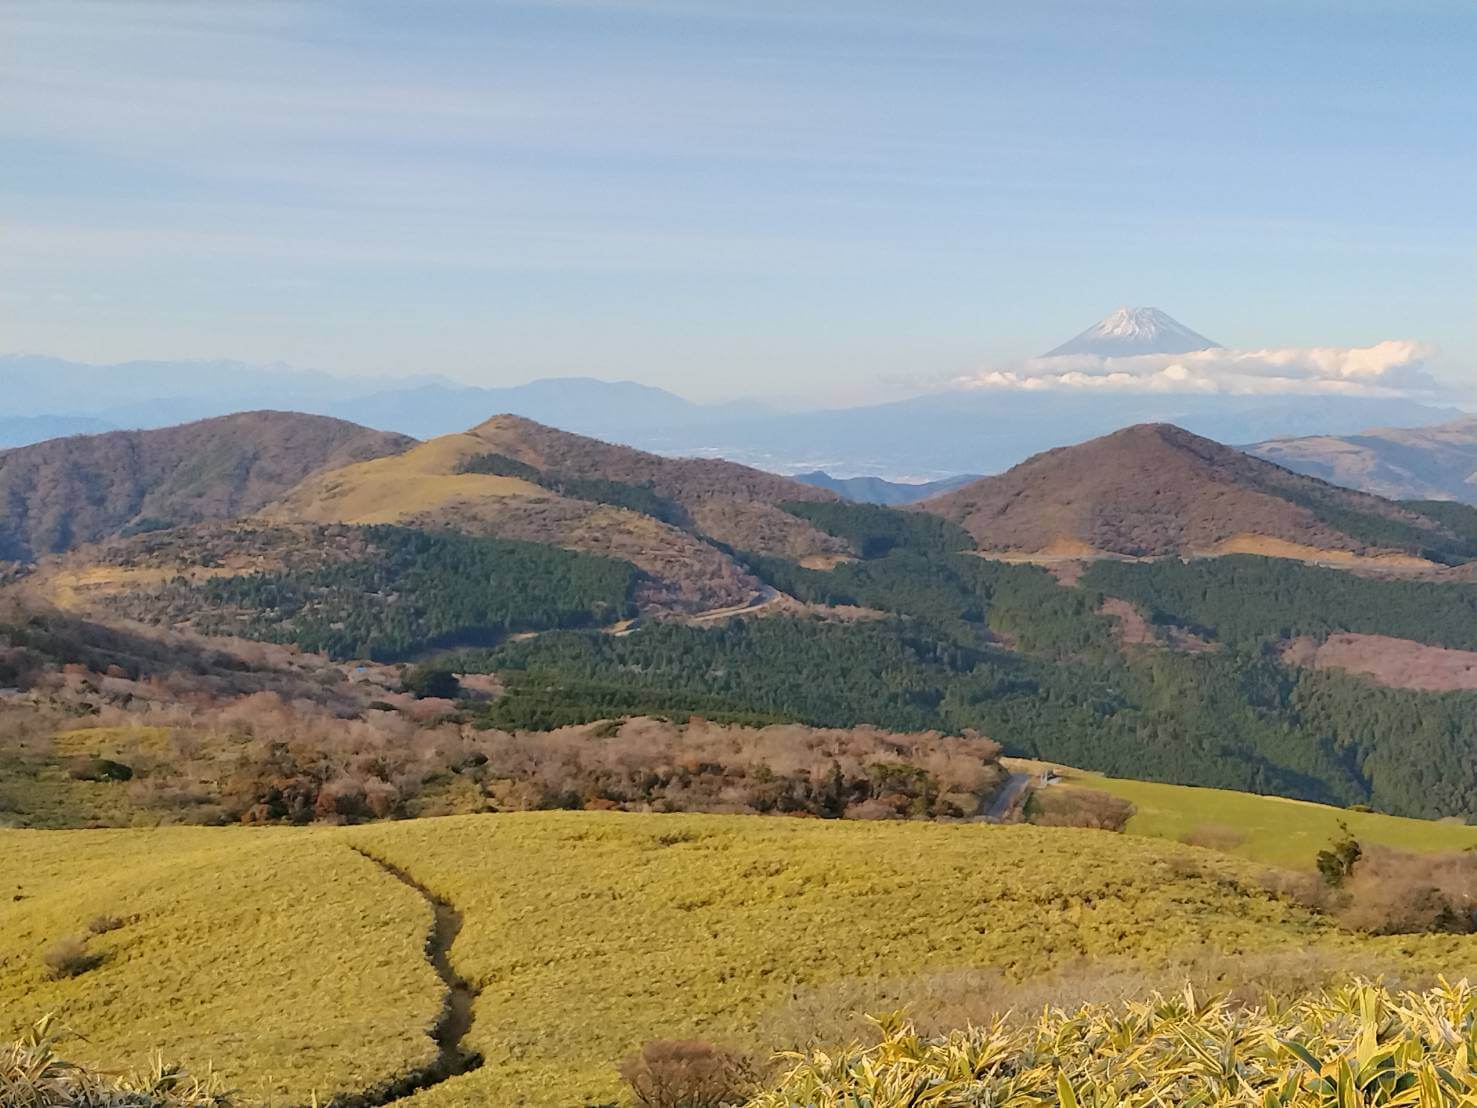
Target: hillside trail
457,1014
760,600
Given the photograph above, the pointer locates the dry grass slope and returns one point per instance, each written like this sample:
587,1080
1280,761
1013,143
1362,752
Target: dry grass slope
296,965
423,488
591,933
288,962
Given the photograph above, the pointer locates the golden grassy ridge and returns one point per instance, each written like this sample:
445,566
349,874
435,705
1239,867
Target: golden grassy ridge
295,965
287,961
591,933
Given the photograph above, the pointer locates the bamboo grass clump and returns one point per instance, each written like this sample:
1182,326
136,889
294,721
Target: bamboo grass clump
1360,1046
33,1075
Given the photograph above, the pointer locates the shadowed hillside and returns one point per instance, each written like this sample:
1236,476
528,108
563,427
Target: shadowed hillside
1155,489
57,494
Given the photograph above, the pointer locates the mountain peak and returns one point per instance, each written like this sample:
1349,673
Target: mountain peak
1126,331
1154,490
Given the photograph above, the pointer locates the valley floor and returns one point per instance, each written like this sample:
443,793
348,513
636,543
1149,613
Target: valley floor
297,966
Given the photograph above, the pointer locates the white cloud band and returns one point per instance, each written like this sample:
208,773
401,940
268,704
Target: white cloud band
1391,368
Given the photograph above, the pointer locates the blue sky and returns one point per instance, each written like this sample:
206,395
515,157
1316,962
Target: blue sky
831,200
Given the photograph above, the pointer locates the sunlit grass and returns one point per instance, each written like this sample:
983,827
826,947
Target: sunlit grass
1273,830
294,965
284,959
590,933
1361,1045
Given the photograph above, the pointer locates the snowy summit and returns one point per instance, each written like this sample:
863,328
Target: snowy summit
1130,331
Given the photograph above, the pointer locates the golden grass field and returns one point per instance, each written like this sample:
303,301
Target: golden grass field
394,488
285,959
297,966
1273,829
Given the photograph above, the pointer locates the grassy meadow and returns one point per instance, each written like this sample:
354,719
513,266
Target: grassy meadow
295,965
287,961
1270,829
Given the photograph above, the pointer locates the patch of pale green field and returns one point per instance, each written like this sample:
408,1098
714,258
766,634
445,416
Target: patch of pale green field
1273,829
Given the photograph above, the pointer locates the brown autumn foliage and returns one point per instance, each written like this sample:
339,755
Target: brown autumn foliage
194,729
1153,489
654,765
1392,892
338,745
1058,807
68,957
687,1073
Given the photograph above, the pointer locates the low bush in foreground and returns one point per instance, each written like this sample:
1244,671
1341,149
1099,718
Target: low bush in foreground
1362,1045
68,957
686,1073
33,1075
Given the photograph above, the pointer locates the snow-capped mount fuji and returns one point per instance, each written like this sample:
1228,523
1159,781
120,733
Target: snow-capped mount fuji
1130,331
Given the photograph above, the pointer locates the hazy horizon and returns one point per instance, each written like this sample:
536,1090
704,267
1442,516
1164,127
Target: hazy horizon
841,204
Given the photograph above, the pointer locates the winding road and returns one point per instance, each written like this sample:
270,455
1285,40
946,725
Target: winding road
1010,792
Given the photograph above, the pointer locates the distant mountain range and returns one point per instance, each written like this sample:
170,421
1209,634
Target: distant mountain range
875,490
24,430
1420,463
932,436
1088,602
140,395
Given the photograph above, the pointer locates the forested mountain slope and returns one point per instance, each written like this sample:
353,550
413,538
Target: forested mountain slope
57,494
1156,670
525,551
670,524
675,519
1154,490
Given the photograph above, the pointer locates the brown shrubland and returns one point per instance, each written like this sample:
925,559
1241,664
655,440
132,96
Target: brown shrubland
686,1074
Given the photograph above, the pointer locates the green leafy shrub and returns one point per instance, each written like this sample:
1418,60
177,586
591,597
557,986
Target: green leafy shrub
431,681
1360,1045
1336,864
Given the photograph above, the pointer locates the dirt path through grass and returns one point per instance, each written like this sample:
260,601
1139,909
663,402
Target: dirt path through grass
457,1015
